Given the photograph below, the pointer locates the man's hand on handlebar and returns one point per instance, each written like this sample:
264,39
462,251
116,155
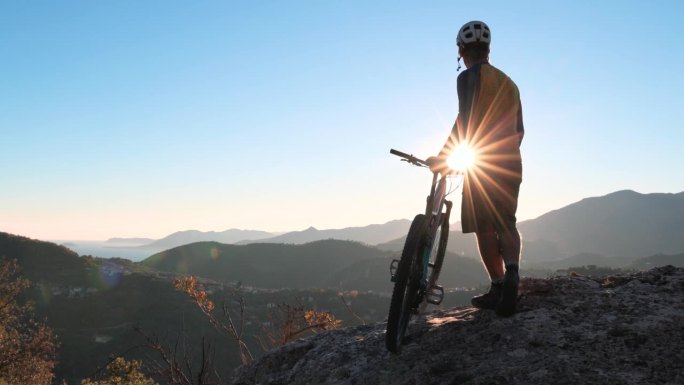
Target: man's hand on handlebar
438,164
435,163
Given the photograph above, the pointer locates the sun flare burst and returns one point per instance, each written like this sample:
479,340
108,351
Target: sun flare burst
462,158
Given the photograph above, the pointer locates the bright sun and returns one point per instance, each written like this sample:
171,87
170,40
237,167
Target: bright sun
461,158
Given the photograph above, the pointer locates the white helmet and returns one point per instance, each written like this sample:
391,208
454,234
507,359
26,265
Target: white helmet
474,32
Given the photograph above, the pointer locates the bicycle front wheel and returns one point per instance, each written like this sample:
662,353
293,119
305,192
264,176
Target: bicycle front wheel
406,286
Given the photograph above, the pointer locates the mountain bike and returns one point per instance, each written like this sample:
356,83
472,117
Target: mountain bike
415,274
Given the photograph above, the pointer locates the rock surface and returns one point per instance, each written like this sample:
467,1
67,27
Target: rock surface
626,329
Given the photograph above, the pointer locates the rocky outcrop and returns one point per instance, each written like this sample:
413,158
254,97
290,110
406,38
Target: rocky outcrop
625,329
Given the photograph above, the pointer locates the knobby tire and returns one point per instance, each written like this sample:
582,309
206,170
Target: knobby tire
436,258
406,286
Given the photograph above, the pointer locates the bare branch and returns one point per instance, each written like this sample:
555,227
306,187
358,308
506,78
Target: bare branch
346,304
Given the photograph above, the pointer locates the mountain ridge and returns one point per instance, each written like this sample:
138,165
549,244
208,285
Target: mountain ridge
624,223
370,234
190,236
615,224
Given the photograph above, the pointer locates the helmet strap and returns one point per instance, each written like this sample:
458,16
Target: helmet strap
459,64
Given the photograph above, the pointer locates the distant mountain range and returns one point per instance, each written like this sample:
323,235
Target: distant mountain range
370,235
623,225
191,236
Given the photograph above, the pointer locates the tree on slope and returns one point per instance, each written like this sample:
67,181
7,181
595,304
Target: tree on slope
122,372
27,347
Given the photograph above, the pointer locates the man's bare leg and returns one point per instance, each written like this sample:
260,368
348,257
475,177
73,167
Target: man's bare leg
510,249
490,252
510,246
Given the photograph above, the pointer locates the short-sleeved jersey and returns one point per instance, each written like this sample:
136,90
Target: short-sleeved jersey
490,120
490,114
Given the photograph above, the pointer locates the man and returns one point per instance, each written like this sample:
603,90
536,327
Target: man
490,124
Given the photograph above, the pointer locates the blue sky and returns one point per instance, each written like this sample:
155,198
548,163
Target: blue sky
143,118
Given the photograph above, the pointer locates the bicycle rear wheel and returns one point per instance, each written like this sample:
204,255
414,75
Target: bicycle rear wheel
406,286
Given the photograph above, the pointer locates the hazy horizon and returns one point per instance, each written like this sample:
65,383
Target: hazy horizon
455,222
140,120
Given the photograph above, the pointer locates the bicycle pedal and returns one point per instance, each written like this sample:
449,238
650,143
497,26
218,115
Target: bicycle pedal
393,270
435,295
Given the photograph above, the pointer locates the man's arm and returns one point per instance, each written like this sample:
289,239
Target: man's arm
466,87
520,127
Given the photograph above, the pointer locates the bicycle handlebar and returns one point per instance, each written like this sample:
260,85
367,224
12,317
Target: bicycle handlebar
409,158
421,163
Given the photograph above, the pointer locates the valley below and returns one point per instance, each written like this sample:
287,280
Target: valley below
121,298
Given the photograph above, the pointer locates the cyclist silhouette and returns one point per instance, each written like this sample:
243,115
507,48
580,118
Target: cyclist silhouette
490,123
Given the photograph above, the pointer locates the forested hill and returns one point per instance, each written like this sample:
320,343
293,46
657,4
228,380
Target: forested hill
93,305
321,264
44,261
266,265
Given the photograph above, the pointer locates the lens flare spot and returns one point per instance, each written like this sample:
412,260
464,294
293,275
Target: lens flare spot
214,252
110,274
45,293
182,267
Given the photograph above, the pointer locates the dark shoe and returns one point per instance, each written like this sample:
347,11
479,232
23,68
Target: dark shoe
489,299
509,294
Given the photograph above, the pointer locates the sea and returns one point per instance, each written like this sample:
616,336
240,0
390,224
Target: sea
133,252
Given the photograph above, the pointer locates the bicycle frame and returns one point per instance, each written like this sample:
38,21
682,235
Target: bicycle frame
414,284
433,210
436,200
